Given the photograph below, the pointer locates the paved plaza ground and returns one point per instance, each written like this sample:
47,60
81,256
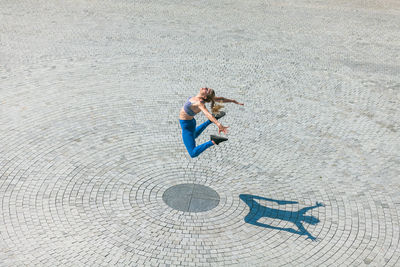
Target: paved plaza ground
91,154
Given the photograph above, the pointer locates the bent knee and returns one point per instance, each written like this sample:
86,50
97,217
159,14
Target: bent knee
193,155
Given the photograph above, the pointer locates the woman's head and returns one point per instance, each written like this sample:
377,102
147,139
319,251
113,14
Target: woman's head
208,95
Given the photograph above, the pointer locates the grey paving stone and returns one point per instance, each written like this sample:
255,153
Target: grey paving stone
203,192
90,141
199,204
191,197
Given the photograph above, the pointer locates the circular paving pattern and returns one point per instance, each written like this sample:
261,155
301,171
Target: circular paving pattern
93,171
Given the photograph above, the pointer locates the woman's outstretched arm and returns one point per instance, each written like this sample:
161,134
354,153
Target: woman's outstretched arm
226,100
209,116
280,202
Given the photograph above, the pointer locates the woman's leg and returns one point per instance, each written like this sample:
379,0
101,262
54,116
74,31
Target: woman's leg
191,147
188,136
201,128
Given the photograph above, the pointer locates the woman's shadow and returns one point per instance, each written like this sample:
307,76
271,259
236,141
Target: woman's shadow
258,211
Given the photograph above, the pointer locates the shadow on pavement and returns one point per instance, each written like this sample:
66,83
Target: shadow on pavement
258,211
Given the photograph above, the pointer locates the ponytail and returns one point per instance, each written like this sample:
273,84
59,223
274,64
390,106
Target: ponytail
215,108
210,98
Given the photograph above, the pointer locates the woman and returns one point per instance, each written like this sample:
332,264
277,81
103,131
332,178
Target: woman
186,118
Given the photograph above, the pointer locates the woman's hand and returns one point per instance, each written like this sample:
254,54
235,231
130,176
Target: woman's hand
234,101
223,129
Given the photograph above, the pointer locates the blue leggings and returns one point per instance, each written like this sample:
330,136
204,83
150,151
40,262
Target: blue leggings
190,132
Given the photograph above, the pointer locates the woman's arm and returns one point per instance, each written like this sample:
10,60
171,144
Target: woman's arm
226,100
280,202
209,116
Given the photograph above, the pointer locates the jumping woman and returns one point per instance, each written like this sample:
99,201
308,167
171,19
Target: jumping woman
186,118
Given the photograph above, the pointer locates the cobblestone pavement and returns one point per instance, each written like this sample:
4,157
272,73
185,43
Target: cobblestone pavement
89,142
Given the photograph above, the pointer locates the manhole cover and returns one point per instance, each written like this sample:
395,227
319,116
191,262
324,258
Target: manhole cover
191,197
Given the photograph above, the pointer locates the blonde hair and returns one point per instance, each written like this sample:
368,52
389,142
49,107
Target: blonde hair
210,98
215,109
